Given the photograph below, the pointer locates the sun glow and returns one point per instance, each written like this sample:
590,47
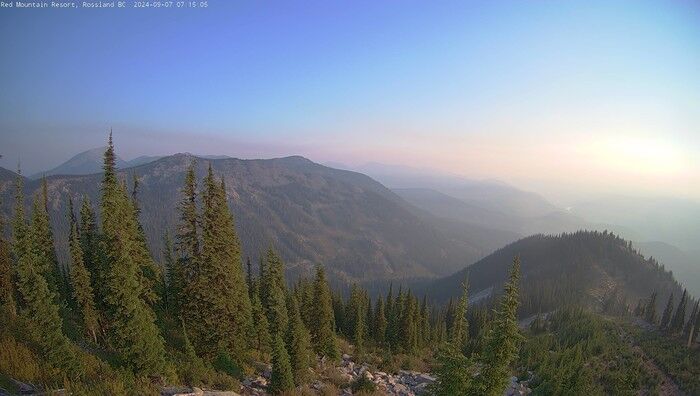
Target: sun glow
639,155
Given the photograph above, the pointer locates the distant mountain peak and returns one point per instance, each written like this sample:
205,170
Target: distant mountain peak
84,163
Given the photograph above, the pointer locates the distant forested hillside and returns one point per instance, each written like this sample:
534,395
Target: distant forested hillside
586,267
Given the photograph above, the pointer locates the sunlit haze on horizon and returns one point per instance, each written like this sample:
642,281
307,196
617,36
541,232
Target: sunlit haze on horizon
568,99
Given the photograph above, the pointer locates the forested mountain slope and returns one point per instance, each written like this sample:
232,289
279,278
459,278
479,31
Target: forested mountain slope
311,213
585,267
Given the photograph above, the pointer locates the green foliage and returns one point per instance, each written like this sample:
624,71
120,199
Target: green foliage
355,317
298,344
578,352
173,279
453,372
272,294
39,305
8,306
678,320
81,287
650,309
47,263
217,308
380,322
282,378
673,357
668,312
132,328
262,341
363,384
502,340
459,332
323,326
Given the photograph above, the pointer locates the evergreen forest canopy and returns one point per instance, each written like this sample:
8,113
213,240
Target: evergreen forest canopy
114,320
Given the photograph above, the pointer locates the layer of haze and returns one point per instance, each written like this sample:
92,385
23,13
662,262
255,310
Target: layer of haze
564,98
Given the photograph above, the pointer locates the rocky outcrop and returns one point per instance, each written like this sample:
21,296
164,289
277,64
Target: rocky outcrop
194,391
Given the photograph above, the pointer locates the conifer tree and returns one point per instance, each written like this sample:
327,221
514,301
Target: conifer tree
678,320
691,319
322,329
668,312
305,295
407,323
196,364
173,278
262,340
90,246
650,309
453,372
218,308
249,276
695,330
80,279
44,246
7,288
459,332
188,244
390,316
272,294
380,322
298,343
502,340
282,379
131,321
38,302
150,273
424,326
354,319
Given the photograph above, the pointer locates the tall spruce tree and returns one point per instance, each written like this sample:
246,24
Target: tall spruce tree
188,243
249,276
354,318
282,379
689,330
678,320
217,310
691,319
44,245
173,278
262,341
272,294
150,273
502,341
8,306
453,372
380,322
132,328
459,332
38,302
407,324
424,325
695,330
80,282
89,244
668,312
298,343
322,330
650,309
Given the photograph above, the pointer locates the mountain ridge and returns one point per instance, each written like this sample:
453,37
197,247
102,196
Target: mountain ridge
584,267
311,213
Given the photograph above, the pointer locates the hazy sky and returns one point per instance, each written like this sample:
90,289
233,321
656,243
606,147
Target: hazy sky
558,97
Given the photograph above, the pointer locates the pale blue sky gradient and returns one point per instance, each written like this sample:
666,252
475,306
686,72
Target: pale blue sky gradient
542,94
